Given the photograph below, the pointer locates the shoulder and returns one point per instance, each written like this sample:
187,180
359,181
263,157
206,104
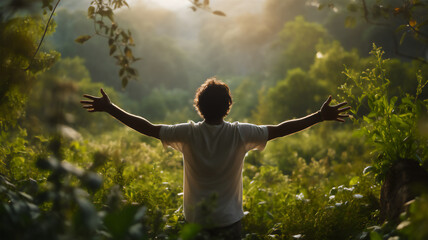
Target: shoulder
189,124
179,129
247,126
249,129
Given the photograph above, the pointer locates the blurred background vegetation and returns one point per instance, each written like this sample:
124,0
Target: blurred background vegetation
68,174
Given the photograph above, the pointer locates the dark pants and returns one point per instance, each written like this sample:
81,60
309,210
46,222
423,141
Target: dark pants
231,232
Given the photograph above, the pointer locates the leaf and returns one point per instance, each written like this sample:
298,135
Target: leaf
375,236
124,82
91,11
50,163
128,53
397,10
367,170
189,231
403,224
112,49
131,71
402,37
139,215
82,39
113,26
92,180
119,222
219,13
124,36
393,101
354,180
107,13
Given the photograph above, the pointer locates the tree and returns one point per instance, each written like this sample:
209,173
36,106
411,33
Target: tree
330,61
297,45
295,96
19,63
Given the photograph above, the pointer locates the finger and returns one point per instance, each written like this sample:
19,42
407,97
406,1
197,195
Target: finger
339,120
88,106
344,109
343,115
328,100
103,93
86,102
341,104
90,97
91,110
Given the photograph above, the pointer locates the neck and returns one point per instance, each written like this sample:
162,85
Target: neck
214,122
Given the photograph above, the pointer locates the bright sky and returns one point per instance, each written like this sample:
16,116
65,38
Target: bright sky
230,7
168,4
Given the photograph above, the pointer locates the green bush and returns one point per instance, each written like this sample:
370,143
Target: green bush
389,123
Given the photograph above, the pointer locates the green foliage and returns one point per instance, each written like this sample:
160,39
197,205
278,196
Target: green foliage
297,45
388,122
244,100
111,183
295,96
17,44
60,205
314,211
60,90
330,61
406,19
414,220
337,150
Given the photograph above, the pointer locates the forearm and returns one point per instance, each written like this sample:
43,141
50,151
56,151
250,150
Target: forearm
137,123
292,126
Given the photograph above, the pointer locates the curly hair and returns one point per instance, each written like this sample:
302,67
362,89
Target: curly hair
213,99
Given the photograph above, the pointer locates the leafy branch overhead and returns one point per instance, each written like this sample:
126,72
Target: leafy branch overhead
205,5
120,41
405,18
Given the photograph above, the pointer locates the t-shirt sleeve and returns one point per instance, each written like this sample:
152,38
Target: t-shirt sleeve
253,136
175,136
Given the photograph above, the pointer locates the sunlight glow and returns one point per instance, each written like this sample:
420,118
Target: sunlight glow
167,4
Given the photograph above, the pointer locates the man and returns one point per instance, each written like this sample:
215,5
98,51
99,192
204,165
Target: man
213,151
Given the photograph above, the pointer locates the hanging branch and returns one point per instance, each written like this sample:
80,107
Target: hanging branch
410,25
205,5
43,37
119,40
366,16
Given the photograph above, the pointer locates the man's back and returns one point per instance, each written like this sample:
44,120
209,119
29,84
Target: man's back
213,160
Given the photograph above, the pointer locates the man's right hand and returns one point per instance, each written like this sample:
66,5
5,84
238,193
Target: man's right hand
97,104
333,113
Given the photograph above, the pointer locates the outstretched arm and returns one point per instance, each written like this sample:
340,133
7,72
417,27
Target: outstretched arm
103,104
327,112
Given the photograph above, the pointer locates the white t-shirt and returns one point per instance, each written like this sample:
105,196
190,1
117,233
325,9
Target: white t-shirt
213,159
